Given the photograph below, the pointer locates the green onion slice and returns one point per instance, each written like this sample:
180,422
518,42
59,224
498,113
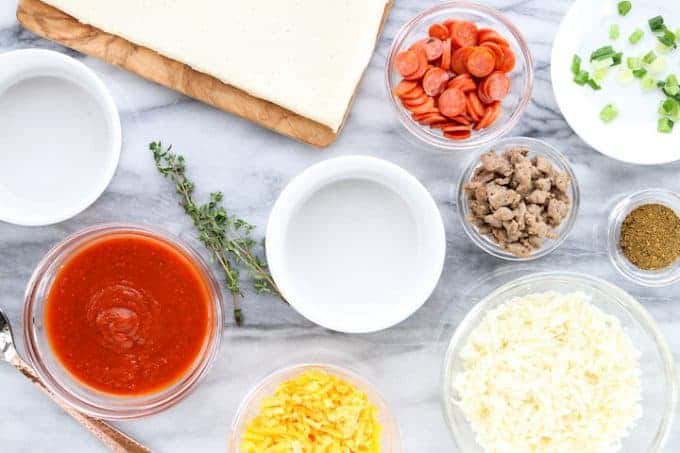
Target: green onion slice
624,7
609,113
636,36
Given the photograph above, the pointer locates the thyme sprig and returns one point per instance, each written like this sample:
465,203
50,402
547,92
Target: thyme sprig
228,238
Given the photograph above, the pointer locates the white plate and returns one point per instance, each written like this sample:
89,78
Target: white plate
632,137
60,137
355,244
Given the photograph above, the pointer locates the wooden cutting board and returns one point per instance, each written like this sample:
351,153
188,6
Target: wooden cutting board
53,24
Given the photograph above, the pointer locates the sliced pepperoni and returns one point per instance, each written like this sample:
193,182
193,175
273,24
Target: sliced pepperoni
426,107
404,87
464,120
414,93
446,56
431,118
459,60
496,86
434,81
480,62
433,48
475,105
464,34
439,31
422,66
458,135
448,23
407,62
491,115
456,128
486,34
509,60
497,51
452,102
412,103
463,82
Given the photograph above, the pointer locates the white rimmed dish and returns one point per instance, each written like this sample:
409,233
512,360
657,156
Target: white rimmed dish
658,374
60,137
355,244
632,137
250,406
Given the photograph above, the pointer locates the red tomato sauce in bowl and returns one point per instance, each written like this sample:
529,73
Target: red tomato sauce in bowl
128,314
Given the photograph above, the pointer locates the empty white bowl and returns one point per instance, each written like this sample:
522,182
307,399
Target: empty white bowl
60,137
355,244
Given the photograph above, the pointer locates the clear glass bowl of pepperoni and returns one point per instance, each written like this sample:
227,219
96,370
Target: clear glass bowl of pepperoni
459,75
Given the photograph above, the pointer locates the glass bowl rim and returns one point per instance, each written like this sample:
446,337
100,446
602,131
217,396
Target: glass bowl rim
160,400
362,384
623,207
417,130
631,305
557,158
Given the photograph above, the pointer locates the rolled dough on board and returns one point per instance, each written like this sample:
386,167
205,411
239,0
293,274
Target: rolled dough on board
305,55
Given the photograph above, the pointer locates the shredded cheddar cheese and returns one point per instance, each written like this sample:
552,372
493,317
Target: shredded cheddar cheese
314,412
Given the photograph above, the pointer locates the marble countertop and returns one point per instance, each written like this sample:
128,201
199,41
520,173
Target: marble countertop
251,166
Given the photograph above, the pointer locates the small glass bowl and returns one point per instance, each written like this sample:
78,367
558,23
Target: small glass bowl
250,406
536,148
650,278
658,376
61,382
521,78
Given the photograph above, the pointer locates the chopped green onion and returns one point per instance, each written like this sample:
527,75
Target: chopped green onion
665,126
576,65
608,113
648,83
602,53
624,7
617,57
656,23
649,57
582,77
604,63
677,33
614,31
662,49
657,66
668,39
594,85
600,74
671,86
639,73
670,108
636,36
634,63
625,75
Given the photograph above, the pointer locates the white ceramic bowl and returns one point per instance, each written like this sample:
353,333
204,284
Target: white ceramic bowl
60,137
355,244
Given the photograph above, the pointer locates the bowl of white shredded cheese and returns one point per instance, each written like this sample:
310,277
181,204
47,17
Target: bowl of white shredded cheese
559,362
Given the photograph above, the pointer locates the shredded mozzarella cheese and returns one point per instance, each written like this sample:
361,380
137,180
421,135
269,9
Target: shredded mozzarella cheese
549,372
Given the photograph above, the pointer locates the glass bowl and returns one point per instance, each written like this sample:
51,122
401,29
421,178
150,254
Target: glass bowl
536,148
521,78
651,278
658,376
250,406
61,382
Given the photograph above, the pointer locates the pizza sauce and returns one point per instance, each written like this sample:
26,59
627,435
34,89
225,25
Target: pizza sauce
129,314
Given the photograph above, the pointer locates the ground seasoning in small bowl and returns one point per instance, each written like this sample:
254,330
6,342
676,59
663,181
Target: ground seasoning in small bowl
650,236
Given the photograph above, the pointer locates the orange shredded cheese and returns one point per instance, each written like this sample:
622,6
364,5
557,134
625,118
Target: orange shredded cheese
314,412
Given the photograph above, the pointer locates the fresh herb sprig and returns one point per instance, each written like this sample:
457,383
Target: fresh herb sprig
228,238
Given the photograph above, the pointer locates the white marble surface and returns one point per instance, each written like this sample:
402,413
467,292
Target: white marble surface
251,166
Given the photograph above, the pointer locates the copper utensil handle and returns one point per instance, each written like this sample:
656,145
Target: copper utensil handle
115,440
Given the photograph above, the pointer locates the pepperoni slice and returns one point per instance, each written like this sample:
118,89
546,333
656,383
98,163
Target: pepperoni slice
459,60
431,118
422,65
407,62
433,48
497,51
496,86
480,62
448,23
456,128
491,115
486,34
414,93
427,107
508,60
474,105
464,34
412,103
463,82
446,56
434,81
452,102
439,31
404,87
458,135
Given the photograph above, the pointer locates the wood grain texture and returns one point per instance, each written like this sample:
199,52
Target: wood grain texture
53,24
